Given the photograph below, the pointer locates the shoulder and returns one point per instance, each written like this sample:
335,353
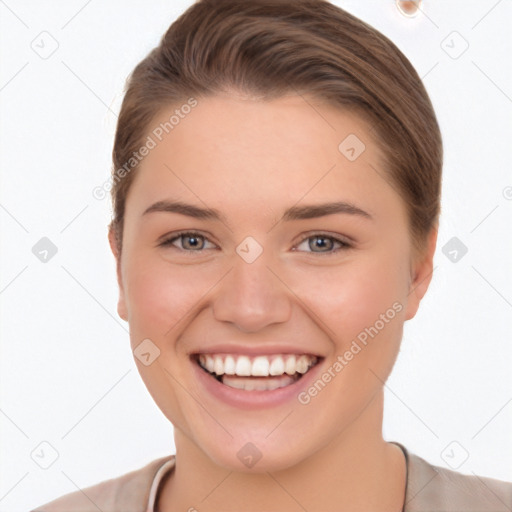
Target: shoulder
126,493
431,487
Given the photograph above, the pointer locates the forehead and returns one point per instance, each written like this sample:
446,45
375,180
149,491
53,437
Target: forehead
236,150
285,129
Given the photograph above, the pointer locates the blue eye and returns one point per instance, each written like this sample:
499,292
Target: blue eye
192,241
325,243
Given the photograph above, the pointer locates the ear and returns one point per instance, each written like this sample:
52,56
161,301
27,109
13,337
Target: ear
121,304
421,275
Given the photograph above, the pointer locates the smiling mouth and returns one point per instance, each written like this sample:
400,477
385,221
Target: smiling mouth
256,373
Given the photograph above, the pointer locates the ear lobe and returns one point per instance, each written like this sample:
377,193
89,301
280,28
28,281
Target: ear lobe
121,304
422,275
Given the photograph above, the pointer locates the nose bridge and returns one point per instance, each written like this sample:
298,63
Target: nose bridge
251,296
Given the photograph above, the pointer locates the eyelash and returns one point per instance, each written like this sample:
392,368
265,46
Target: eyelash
343,244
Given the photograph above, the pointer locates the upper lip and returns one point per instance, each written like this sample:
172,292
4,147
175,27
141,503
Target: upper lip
258,349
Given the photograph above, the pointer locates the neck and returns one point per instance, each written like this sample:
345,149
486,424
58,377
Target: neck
356,471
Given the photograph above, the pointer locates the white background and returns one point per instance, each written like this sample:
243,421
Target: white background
67,372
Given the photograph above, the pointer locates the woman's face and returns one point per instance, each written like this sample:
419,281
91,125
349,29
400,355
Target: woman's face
299,247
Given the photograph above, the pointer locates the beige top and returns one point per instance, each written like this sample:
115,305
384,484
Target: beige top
429,489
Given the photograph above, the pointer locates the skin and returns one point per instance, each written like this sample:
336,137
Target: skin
251,160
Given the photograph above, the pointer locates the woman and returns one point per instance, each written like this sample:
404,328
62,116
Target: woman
276,191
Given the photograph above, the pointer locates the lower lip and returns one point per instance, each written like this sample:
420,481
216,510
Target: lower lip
254,399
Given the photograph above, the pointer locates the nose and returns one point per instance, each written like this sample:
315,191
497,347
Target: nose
251,297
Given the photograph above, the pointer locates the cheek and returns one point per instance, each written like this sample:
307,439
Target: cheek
372,292
348,303
346,299
160,296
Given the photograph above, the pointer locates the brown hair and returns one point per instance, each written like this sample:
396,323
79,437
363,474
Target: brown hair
269,48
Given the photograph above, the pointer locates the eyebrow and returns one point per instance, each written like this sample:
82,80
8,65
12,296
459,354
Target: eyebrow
293,213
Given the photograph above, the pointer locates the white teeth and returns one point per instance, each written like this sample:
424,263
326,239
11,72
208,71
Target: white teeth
259,366
243,366
229,365
249,384
302,364
289,367
210,363
277,366
218,367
